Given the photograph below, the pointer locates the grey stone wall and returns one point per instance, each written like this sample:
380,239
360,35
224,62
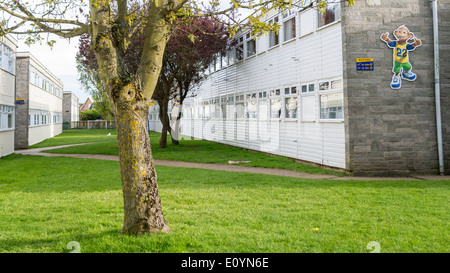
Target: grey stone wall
67,105
22,110
391,132
444,50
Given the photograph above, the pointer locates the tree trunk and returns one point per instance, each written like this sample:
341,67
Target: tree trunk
163,108
142,204
129,99
176,127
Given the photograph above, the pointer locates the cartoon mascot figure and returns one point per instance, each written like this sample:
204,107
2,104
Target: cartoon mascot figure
402,68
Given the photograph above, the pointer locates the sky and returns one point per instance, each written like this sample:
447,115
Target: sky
60,60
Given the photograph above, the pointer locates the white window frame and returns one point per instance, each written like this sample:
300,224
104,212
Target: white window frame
308,94
277,34
330,91
240,44
287,16
240,99
249,38
7,112
275,94
264,100
292,93
319,14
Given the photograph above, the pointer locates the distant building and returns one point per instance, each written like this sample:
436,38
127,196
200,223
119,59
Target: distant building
71,111
8,47
86,106
39,116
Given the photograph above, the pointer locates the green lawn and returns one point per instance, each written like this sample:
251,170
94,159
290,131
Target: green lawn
48,202
76,136
200,151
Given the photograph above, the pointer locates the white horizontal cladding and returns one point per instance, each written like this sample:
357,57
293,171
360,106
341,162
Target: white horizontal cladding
40,133
333,141
6,143
7,88
289,138
224,109
44,100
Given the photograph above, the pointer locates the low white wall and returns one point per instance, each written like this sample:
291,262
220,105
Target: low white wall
6,143
39,133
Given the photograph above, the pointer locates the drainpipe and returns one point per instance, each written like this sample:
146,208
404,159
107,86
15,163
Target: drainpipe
437,86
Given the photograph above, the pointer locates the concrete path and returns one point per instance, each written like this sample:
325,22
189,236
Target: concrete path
222,167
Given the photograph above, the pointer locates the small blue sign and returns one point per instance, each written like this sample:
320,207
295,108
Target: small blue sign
364,64
20,101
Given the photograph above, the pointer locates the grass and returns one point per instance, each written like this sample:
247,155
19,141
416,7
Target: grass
76,136
188,150
48,202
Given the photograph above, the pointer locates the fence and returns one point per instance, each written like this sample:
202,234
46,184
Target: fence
93,124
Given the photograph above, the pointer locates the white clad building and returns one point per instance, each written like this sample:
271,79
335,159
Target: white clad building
281,93
40,116
8,47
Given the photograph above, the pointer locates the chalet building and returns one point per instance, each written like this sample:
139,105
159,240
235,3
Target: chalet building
39,114
71,109
324,89
8,47
87,105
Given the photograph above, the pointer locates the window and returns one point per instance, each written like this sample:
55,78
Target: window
336,84
275,103
252,105
240,49
212,109
11,61
251,45
10,118
218,62
331,106
252,109
291,107
7,59
223,106
324,86
6,117
217,108
275,92
206,110
275,108
290,102
331,14
231,57
223,59
290,90
273,35
289,25
240,108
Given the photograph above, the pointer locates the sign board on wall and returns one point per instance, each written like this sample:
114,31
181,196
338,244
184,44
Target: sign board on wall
364,64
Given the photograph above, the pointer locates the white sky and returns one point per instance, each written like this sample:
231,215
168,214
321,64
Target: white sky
60,61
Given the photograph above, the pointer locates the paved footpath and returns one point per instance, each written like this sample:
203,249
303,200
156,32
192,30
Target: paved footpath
223,167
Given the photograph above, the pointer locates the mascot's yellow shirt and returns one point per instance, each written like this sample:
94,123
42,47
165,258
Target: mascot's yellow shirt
401,52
